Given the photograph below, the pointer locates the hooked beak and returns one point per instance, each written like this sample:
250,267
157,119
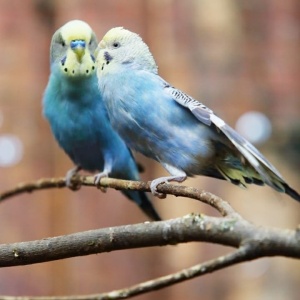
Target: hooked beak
100,46
78,46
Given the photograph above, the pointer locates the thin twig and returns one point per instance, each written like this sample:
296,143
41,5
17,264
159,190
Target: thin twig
177,190
240,255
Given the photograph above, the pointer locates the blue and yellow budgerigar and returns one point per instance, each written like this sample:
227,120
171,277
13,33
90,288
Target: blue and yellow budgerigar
74,108
165,124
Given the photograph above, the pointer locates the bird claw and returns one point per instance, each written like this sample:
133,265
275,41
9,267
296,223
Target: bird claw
69,176
97,179
153,187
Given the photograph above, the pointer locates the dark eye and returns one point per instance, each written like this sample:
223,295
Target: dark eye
63,43
116,44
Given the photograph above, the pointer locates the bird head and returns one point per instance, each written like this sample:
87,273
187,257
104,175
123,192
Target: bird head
123,47
72,49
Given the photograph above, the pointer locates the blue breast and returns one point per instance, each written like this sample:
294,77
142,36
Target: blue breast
78,119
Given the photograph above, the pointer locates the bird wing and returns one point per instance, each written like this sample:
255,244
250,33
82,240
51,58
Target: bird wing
207,117
199,110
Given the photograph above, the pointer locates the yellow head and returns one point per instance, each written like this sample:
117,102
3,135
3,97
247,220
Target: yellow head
73,46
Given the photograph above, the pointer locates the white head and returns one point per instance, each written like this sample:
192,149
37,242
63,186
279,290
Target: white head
123,47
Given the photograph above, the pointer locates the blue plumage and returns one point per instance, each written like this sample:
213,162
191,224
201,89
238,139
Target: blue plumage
167,125
74,108
159,131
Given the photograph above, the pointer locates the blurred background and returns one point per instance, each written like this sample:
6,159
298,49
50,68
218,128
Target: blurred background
241,58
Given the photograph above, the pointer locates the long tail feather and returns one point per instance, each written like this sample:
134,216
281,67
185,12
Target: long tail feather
263,167
141,199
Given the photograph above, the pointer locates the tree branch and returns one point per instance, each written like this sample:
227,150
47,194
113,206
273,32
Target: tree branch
231,230
177,190
241,255
225,231
256,242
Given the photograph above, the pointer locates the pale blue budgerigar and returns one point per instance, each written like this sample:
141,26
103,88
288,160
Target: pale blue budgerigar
74,108
169,126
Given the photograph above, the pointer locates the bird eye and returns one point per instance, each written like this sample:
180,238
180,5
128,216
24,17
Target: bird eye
116,44
63,43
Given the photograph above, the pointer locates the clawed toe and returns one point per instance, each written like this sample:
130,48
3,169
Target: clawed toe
69,176
97,179
153,188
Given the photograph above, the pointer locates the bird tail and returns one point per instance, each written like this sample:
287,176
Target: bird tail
141,199
291,192
260,171
247,176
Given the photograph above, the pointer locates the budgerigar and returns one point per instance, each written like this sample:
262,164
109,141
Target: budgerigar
167,125
74,108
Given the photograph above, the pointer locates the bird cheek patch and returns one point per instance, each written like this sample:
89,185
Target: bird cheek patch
63,61
68,63
107,57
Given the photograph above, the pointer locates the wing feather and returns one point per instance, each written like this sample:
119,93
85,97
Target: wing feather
201,112
249,152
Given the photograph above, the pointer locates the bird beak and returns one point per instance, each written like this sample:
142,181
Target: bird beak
100,46
78,46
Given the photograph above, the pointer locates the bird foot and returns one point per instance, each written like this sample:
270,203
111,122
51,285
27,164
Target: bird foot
69,176
153,187
160,180
97,179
